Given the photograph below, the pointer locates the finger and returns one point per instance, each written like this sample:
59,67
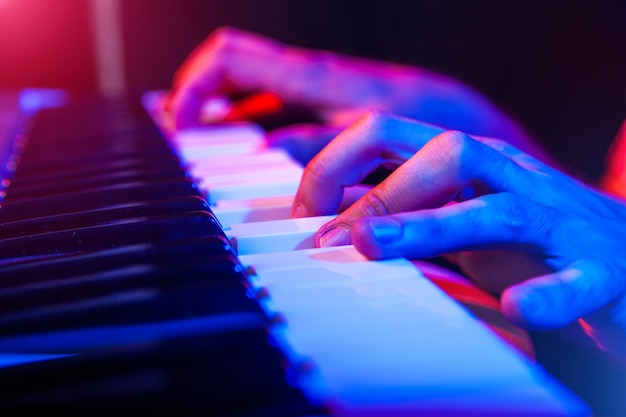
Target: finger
557,299
442,170
246,62
302,141
496,220
228,59
495,270
376,139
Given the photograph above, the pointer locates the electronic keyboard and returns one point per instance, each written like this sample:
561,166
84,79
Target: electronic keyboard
142,271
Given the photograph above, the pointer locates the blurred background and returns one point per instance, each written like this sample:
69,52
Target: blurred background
559,67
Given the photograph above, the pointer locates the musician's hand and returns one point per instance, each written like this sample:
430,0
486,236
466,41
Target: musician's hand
555,245
337,89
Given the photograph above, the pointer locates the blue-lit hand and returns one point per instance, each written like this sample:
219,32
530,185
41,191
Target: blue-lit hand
552,244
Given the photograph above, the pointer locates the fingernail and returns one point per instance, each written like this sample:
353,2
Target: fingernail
385,230
337,236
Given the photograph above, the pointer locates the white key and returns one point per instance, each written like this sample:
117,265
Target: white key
234,176
226,139
275,236
255,188
220,134
230,212
253,161
383,340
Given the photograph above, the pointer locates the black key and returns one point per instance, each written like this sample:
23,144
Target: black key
86,183
228,372
110,196
96,217
131,295
64,172
51,270
48,272
111,235
168,294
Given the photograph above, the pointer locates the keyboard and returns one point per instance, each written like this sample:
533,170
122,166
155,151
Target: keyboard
142,271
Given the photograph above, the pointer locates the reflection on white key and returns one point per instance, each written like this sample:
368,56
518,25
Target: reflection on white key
230,212
220,134
254,188
275,236
252,161
218,140
270,174
384,341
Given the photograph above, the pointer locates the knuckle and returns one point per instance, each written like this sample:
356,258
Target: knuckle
315,170
515,216
437,231
526,221
374,120
222,40
452,145
377,203
224,34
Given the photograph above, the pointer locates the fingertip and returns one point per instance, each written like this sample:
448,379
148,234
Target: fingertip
334,236
184,106
517,306
529,307
363,239
370,235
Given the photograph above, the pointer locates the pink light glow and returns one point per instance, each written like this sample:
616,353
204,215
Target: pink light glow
44,43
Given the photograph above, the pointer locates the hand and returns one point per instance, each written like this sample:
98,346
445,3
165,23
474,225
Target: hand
552,243
337,89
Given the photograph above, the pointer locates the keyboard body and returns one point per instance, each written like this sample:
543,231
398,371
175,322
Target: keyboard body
128,282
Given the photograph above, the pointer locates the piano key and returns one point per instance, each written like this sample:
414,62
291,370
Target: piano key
111,235
230,212
230,372
255,188
67,172
135,294
220,134
252,161
214,269
79,183
275,236
46,224
427,354
270,174
226,140
102,197
43,270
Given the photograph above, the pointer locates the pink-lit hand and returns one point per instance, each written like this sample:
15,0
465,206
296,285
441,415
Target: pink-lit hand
337,89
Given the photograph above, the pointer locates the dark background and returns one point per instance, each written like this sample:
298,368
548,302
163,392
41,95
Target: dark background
559,67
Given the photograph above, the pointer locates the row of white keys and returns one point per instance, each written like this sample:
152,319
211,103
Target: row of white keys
380,338
232,163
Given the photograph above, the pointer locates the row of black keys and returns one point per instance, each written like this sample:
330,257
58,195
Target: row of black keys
108,251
